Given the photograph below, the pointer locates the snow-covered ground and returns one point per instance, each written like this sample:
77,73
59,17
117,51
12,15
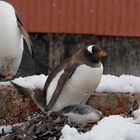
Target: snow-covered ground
32,82
109,83
114,127
123,83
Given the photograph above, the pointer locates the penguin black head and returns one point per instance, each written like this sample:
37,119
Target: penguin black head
94,53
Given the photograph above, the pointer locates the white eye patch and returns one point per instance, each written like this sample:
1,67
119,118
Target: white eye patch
89,48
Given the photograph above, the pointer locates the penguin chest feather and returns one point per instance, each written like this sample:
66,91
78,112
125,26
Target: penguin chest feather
86,78
11,47
11,40
78,88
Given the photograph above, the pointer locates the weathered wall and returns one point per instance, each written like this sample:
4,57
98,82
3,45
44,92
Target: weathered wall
100,17
51,49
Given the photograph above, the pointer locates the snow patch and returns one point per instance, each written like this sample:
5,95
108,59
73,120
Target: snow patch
32,82
108,83
8,128
114,127
123,83
136,115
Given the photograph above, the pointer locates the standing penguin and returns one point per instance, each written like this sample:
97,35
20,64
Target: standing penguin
70,83
12,33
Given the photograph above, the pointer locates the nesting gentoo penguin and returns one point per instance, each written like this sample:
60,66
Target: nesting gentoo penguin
71,82
12,33
77,114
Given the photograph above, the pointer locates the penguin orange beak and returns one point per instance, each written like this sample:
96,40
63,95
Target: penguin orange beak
102,54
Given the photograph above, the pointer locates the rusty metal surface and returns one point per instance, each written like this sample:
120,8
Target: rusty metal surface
100,17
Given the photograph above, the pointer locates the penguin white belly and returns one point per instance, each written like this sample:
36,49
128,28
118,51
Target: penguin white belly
79,87
11,45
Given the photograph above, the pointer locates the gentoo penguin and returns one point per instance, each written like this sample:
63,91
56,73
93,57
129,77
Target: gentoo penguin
77,113
70,83
12,33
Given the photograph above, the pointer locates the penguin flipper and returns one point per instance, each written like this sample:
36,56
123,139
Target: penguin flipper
25,35
36,97
61,82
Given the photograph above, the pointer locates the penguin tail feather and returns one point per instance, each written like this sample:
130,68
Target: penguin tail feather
23,91
38,99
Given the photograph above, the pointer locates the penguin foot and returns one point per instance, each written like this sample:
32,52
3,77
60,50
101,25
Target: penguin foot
85,123
9,77
89,122
3,79
65,119
6,76
56,117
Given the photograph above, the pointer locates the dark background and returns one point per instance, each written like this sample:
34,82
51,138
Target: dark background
51,49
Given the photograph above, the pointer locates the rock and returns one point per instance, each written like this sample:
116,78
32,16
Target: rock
14,108
115,103
42,129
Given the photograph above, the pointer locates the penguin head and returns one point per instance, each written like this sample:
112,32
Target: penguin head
94,53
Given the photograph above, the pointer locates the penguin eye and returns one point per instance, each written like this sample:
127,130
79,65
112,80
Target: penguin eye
90,49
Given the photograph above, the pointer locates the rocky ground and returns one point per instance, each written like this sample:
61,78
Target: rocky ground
37,127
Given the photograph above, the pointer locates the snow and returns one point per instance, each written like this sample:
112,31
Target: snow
8,128
123,83
109,83
32,82
114,127
5,128
136,115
